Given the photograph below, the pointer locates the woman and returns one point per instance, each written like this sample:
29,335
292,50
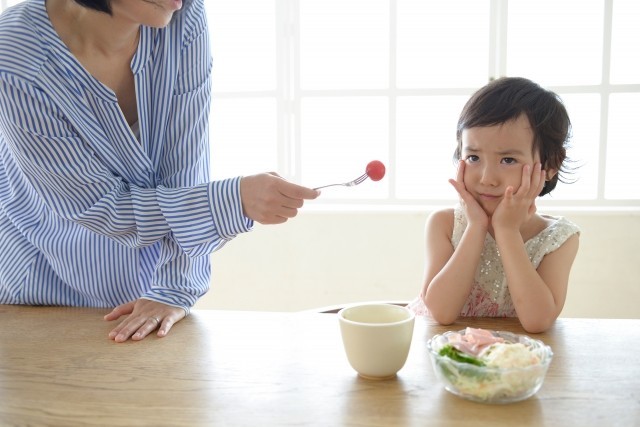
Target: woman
104,191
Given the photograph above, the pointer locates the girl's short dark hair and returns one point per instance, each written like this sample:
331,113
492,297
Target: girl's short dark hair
99,5
505,99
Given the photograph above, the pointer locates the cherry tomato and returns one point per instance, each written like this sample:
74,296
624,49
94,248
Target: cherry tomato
375,170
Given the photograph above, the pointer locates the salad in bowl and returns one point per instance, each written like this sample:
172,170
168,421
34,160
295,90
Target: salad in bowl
489,366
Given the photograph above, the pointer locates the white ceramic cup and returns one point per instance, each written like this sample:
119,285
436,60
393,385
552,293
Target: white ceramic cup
376,338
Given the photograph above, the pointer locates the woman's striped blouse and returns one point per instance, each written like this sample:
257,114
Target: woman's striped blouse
89,214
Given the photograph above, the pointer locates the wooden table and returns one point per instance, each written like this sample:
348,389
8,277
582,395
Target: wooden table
217,368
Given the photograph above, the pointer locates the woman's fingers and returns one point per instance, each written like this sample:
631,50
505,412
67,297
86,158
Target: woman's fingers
145,317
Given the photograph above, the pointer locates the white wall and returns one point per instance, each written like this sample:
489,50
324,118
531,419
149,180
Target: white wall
322,258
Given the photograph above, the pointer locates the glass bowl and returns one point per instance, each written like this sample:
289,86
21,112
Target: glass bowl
490,384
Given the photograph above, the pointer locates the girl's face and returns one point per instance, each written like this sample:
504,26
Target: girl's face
151,13
494,157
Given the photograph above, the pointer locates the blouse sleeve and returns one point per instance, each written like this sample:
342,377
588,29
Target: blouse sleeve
76,185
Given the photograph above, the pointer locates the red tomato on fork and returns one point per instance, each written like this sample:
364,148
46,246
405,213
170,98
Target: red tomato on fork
375,170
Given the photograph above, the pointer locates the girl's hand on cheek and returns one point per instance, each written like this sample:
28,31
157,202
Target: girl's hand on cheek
472,209
517,207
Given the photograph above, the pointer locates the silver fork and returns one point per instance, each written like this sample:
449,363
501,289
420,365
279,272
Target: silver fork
356,181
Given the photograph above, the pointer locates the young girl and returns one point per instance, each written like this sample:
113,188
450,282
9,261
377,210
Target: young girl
494,254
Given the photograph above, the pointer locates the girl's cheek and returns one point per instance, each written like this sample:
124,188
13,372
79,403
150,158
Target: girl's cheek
470,170
516,180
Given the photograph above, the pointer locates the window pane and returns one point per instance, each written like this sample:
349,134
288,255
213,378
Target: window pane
243,135
243,44
344,44
582,183
426,140
623,147
555,42
8,3
625,42
339,136
442,44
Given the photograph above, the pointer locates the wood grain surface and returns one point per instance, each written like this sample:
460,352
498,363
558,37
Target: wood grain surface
222,368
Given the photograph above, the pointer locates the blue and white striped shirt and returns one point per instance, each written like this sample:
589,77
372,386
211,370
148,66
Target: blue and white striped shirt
89,215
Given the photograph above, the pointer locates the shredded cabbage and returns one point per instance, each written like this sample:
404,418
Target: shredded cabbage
507,355
496,381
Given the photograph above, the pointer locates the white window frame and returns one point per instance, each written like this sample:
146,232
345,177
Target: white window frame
289,94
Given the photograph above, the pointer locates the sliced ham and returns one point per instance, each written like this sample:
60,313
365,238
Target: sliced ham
473,341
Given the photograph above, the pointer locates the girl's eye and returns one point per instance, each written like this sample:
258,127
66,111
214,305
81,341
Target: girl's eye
509,161
472,158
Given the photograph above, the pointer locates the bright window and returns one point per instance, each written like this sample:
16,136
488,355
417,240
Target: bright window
357,80
314,89
8,3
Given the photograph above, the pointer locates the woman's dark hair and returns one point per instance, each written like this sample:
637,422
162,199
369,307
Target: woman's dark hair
99,5
505,99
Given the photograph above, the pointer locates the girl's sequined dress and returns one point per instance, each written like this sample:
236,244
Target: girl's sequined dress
489,295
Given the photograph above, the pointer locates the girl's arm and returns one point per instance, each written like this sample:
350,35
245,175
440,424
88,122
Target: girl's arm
538,295
449,273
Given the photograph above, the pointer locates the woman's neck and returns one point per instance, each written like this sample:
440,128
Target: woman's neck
89,32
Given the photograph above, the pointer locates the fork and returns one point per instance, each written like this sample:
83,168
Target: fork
356,181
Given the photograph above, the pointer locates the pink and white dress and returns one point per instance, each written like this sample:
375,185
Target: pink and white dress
489,295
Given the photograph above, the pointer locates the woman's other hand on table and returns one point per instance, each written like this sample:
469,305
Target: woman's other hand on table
144,317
